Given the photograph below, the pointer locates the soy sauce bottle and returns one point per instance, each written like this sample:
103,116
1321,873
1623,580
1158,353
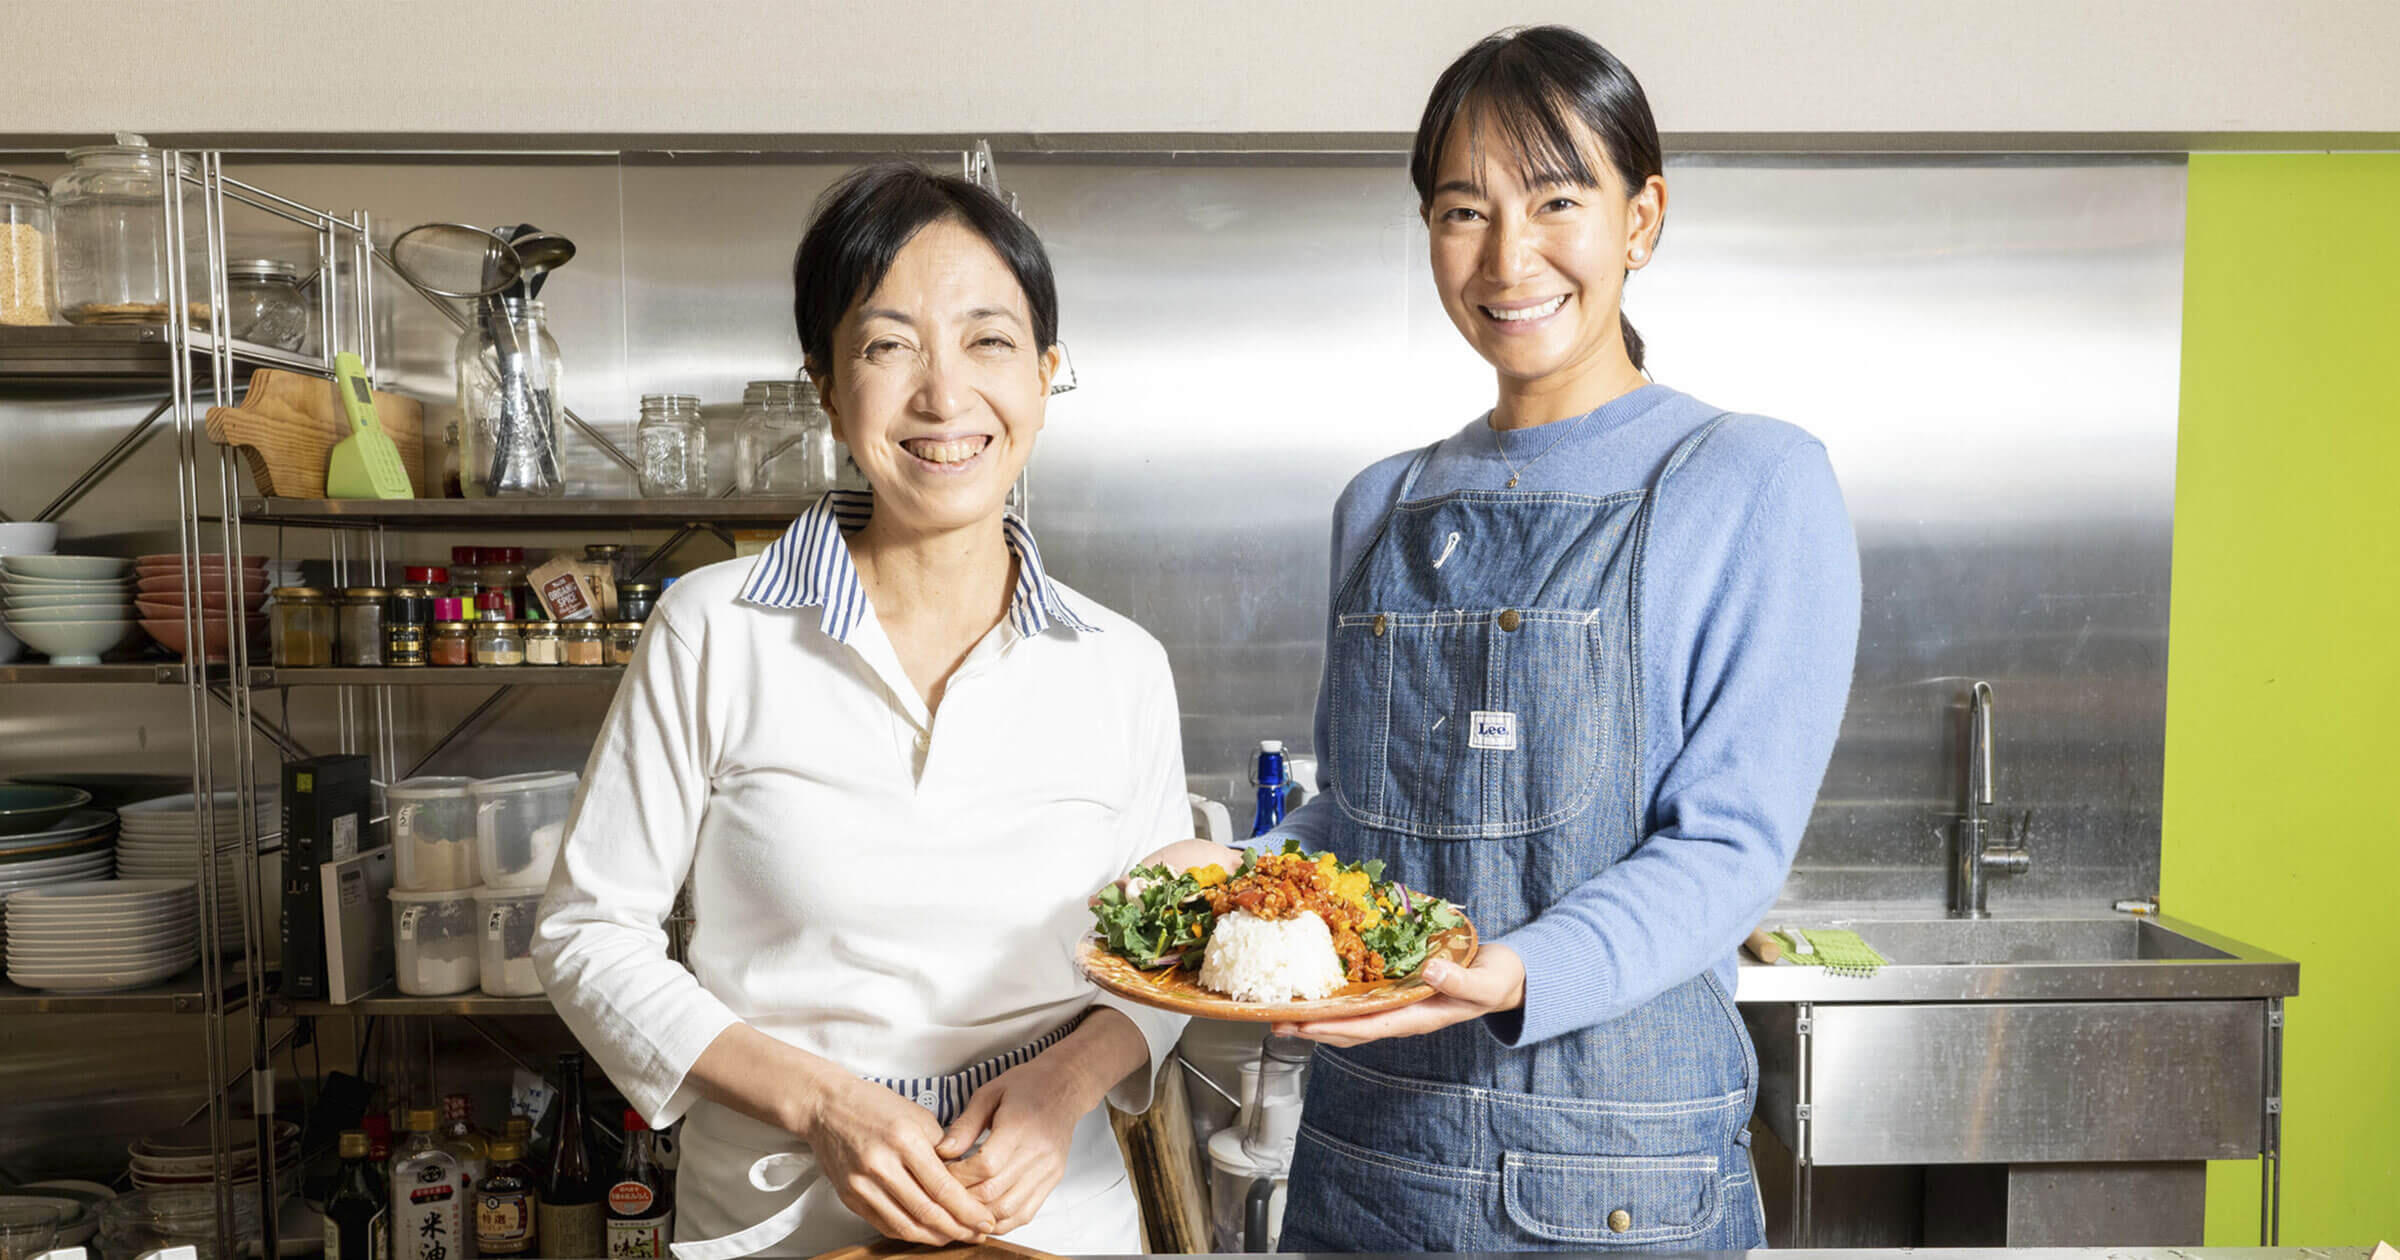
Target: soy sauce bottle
356,1210
641,1206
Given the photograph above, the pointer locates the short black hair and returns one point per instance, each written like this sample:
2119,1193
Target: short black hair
1531,86
863,222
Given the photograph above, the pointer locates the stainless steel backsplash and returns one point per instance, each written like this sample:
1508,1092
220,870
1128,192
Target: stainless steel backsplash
1988,348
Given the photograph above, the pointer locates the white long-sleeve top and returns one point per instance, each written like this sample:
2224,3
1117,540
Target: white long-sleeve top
898,892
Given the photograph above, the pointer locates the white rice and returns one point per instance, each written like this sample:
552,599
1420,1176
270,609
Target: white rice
1251,959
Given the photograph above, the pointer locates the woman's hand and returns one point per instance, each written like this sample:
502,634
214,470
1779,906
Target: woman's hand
1027,1116
1496,982
1184,855
876,1149
1031,1115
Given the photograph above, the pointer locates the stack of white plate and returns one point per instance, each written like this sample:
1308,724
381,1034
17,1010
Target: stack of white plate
102,934
70,608
160,839
78,847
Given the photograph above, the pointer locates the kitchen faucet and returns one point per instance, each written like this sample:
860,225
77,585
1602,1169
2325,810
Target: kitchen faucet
1979,845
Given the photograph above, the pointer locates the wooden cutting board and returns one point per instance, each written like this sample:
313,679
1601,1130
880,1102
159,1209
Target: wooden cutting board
288,424
890,1249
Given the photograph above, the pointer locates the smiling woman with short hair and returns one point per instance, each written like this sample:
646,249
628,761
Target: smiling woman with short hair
883,1019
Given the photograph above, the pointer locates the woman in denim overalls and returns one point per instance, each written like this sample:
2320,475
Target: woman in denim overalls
1514,609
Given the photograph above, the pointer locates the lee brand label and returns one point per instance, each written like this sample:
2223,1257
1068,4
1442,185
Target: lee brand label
1488,729
630,1198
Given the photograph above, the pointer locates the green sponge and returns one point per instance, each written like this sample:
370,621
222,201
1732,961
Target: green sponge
1837,950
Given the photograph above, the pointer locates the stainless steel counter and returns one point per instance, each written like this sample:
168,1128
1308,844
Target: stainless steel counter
2021,954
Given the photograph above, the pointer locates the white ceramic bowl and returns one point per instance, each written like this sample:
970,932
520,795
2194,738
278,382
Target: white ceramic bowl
73,642
69,612
78,568
28,538
65,599
11,647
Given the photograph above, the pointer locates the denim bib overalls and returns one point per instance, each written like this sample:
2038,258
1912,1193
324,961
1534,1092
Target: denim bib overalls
1485,695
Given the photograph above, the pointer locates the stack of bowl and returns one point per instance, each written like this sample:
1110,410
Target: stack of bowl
160,596
48,836
160,839
71,608
23,538
185,1158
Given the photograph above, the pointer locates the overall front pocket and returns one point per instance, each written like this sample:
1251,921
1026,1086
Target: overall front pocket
1484,724
1608,1200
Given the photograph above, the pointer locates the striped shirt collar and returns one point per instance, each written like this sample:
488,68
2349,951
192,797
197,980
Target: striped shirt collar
810,565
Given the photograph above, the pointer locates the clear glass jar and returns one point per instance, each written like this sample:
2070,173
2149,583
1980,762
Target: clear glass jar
671,445
623,636
510,442
585,642
450,645
499,643
26,296
635,600
112,236
543,645
785,447
614,556
264,303
364,634
301,634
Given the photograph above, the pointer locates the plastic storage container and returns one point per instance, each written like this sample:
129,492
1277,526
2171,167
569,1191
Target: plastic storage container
507,953
433,834
26,299
434,942
519,821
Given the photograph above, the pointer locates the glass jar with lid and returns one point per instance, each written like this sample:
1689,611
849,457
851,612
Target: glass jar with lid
510,443
543,644
635,600
785,446
584,642
671,446
450,645
623,637
363,632
264,303
112,242
26,297
499,642
301,633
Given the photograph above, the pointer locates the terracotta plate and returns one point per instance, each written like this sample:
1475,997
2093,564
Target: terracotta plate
1180,991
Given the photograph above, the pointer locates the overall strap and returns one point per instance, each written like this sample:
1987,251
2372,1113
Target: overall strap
1408,481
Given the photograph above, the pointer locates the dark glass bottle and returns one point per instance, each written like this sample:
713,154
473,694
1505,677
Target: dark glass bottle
641,1205
505,1203
356,1210
568,1217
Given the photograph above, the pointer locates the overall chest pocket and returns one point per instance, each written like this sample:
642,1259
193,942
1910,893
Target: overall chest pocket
1478,724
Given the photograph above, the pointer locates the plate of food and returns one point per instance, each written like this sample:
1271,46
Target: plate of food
1290,936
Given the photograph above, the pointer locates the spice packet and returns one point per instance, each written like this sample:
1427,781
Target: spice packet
559,584
600,587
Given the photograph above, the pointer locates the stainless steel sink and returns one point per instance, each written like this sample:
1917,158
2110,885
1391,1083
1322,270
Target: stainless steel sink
2022,957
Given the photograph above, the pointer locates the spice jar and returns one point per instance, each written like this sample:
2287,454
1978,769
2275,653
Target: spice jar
636,599
410,605
466,579
543,646
622,636
503,570
499,642
404,646
609,554
264,304
449,645
363,635
26,299
584,642
113,236
672,445
302,630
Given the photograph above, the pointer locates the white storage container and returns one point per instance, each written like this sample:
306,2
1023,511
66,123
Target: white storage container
433,834
434,942
507,955
519,821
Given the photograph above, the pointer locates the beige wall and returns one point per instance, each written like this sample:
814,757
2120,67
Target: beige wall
1746,73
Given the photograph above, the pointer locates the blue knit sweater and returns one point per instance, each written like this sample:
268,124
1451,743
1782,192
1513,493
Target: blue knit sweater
1750,624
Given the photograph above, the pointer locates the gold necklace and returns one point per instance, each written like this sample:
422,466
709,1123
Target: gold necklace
1515,472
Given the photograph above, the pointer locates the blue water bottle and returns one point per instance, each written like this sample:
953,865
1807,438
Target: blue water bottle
1273,777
